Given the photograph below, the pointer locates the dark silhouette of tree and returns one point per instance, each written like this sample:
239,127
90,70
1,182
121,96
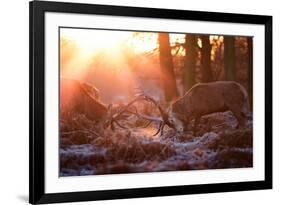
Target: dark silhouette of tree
206,71
166,64
189,61
250,70
229,57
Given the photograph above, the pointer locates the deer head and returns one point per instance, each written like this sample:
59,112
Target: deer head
176,120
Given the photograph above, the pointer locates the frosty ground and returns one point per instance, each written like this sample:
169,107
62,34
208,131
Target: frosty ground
217,144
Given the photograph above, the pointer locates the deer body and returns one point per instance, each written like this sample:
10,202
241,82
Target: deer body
207,98
82,98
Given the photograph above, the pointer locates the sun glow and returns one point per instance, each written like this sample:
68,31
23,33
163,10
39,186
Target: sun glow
82,50
90,41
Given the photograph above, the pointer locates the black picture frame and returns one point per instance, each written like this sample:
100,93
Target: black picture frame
37,9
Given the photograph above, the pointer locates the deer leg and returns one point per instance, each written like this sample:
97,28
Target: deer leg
240,118
241,121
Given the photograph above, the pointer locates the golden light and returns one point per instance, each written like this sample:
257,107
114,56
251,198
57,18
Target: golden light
142,42
177,37
84,49
92,40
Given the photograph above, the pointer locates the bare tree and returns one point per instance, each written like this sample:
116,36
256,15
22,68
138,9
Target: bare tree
229,57
206,71
250,70
189,61
166,64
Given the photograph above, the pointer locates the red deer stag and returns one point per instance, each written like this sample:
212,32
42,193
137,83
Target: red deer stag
207,98
78,97
82,98
200,100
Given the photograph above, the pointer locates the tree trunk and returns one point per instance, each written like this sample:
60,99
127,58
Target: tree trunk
250,70
189,61
229,58
166,64
206,71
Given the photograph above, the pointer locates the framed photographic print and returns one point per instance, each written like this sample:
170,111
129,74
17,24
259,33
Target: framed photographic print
140,102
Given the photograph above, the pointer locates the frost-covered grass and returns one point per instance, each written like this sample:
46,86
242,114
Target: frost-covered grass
86,150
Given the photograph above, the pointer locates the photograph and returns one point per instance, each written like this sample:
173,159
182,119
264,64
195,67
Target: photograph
131,102
149,101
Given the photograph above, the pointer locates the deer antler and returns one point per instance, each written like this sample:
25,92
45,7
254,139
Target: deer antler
164,115
141,96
